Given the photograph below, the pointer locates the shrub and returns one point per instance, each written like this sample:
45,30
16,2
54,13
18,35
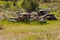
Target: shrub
30,5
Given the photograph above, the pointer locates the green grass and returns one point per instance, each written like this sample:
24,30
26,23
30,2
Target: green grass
32,30
38,31
50,25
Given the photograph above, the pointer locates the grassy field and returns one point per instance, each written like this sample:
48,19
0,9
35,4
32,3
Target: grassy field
31,30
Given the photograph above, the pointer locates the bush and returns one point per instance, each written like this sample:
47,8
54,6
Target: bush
30,5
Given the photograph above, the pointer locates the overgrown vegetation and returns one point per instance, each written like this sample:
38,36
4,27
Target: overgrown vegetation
30,30
30,5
